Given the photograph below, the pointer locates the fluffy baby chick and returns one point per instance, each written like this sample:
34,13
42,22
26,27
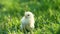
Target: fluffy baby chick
27,23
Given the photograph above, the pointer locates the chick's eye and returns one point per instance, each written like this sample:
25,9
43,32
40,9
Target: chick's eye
27,15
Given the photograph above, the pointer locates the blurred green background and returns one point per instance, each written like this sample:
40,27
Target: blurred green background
47,15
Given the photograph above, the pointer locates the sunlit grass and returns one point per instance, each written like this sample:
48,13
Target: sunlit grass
46,12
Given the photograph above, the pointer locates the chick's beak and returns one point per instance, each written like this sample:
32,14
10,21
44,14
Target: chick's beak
25,16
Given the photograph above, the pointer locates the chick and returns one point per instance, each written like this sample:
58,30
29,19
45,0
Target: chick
27,23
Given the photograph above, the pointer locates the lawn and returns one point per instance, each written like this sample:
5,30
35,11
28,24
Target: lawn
46,12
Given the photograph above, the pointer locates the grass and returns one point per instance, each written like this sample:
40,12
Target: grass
47,15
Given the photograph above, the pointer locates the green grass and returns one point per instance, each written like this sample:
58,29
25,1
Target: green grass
46,12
